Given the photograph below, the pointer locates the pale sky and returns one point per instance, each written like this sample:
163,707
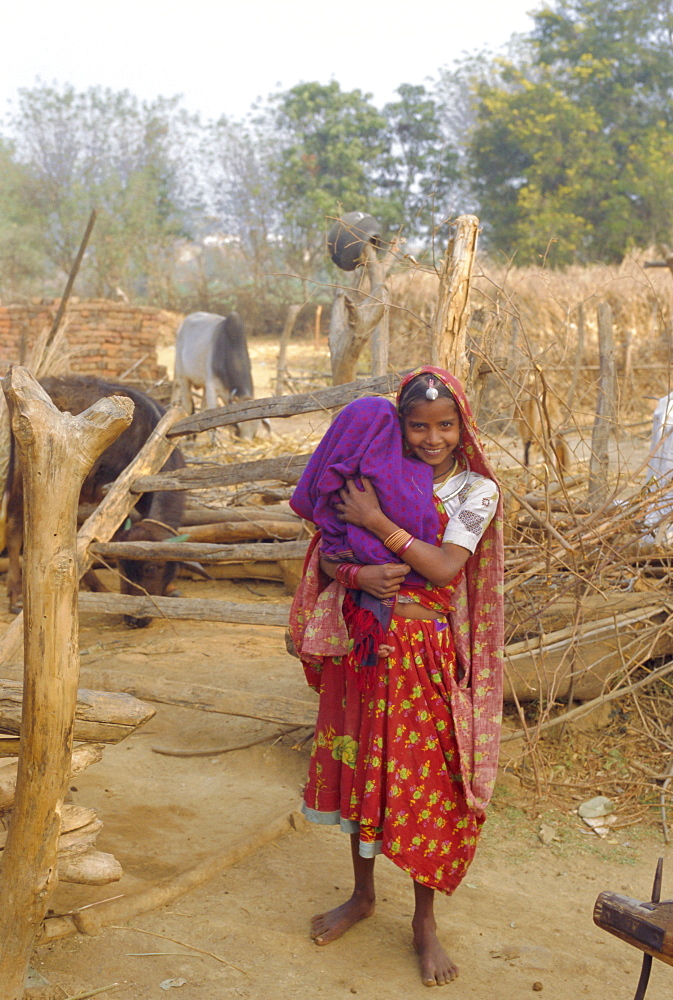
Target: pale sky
220,56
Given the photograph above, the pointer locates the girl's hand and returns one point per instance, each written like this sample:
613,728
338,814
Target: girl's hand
382,580
385,651
358,506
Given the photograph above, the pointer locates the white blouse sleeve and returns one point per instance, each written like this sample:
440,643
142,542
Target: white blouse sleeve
471,513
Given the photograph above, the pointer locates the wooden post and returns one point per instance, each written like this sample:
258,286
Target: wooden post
316,326
449,347
381,344
56,450
71,279
354,317
108,516
579,357
281,369
604,421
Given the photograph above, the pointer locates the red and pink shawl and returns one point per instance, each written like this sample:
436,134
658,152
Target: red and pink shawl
477,624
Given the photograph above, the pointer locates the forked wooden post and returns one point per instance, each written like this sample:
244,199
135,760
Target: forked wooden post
355,314
110,513
449,329
56,451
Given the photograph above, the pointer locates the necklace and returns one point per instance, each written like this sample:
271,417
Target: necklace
460,483
446,478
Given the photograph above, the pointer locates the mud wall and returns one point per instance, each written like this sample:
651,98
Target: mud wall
101,338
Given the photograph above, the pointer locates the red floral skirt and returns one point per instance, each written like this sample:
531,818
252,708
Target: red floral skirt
384,762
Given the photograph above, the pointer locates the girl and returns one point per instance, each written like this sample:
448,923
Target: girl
406,744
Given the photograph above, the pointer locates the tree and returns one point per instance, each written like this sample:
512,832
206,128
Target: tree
532,158
419,171
568,138
22,249
105,150
241,191
328,146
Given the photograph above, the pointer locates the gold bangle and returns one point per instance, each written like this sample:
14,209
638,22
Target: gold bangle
398,540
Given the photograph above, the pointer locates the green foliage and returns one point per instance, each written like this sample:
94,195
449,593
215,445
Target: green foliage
22,252
419,167
328,143
563,150
570,143
107,151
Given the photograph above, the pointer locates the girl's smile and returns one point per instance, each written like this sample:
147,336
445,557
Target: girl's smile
432,433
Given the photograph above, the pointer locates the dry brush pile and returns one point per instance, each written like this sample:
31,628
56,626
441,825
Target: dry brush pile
587,582
585,538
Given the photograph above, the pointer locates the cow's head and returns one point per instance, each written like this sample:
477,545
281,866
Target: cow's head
141,577
247,429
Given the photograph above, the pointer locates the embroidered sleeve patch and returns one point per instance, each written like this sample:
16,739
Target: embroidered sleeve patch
473,522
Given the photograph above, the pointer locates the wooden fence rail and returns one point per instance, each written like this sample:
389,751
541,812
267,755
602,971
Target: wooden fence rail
186,609
204,552
286,468
287,406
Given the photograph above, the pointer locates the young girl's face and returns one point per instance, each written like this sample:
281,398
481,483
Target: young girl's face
432,433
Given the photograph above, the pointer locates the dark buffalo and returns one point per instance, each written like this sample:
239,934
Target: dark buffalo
211,353
160,513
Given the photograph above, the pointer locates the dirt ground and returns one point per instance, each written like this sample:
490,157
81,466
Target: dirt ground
522,916
521,922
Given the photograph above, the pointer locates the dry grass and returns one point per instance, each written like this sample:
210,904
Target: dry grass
537,332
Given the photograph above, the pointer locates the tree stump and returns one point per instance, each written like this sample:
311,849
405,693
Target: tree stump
56,451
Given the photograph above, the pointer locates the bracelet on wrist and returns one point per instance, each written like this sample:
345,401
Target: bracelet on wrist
398,540
347,575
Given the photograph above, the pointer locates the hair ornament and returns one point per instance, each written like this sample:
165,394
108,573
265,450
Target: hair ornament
431,392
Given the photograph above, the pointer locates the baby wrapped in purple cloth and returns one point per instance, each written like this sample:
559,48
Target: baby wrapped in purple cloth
365,439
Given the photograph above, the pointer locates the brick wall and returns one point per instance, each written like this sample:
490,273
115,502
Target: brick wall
102,338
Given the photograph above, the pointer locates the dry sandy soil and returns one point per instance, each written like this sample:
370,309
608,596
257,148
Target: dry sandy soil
521,922
523,915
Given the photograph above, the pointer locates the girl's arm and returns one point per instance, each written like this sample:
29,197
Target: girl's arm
438,564
380,581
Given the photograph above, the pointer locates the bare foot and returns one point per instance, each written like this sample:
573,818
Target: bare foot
326,927
437,969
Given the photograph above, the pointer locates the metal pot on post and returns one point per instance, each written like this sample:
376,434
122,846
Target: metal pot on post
348,237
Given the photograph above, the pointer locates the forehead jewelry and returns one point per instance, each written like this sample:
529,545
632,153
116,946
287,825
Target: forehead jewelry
431,392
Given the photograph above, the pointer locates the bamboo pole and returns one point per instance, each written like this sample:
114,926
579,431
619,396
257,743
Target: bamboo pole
449,330
56,451
71,280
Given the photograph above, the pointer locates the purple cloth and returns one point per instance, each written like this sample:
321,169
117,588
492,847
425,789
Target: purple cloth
365,439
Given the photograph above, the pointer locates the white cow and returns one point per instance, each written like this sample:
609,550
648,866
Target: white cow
211,353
